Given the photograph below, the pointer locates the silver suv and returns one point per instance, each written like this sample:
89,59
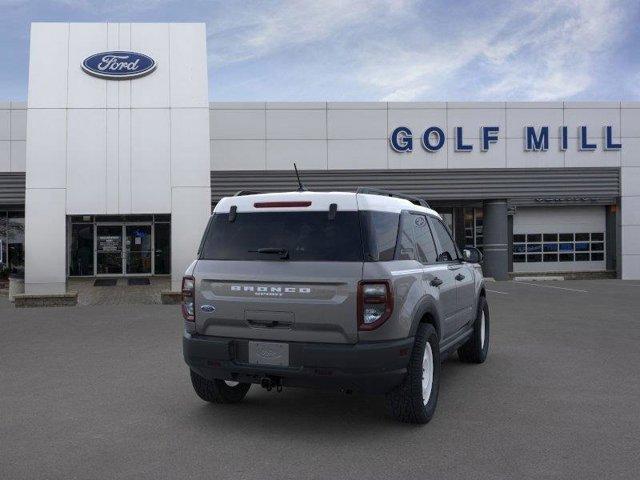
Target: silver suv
362,291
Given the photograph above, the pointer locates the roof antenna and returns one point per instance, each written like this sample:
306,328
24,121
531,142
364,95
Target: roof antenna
301,187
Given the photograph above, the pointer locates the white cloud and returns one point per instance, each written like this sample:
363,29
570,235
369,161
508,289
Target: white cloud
405,50
546,51
257,30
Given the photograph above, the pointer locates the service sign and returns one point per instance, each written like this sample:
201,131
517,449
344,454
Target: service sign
118,65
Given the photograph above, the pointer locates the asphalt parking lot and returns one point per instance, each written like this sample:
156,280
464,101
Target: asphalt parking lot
102,392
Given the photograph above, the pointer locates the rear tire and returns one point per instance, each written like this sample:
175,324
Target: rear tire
477,347
218,391
415,399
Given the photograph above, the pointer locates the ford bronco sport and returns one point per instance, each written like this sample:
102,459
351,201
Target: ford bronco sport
362,291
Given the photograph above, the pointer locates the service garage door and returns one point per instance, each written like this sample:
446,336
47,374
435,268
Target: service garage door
559,239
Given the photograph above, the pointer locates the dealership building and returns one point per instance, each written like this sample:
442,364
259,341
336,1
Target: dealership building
113,164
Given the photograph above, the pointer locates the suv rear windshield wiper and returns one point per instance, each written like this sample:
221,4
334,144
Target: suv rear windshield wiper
283,252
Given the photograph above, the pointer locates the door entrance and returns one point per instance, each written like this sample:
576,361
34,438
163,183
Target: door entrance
118,245
108,256
138,250
124,249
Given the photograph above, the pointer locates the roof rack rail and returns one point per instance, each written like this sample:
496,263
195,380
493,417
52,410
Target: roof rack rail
241,193
387,193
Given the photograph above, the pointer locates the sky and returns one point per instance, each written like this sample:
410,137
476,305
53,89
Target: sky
377,50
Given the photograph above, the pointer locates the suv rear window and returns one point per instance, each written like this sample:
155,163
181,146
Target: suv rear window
306,236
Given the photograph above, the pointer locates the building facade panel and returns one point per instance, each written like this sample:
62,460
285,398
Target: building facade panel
517,157
188,56
594,117
48,62
5,123
296,124
574,157
18,124
47,148
518,118
282,154
357,154
152,91
238,154
418,158
82,90
630,122
86,161
18,156
150,160
124,161
236,124
190,147
5,156
13,128
364,124
45,241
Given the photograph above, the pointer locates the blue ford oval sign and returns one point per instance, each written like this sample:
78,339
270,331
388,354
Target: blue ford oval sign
118,65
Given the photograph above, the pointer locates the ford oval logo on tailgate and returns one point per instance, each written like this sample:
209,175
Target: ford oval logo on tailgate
207,308
118,65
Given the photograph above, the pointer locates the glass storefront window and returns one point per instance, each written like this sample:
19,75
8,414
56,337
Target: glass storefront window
117,245
81,252
138,248
109,249
473,227
163,248
4,267
15,242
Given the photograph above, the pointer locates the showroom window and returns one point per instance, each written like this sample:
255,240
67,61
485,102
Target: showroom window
11,242
473,227
116,245
558,247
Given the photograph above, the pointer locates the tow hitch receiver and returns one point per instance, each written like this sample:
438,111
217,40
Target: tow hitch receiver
270,382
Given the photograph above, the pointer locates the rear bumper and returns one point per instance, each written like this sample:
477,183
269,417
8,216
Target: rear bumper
369,367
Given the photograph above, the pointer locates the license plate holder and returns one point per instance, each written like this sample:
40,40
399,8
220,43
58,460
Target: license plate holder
269,353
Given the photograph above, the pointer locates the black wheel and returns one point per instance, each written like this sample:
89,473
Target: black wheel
219,391
415,399
477,347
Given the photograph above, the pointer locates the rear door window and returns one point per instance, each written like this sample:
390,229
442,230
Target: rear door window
306,236
405,249
447,251
425,245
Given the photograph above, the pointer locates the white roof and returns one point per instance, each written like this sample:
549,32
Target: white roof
320,201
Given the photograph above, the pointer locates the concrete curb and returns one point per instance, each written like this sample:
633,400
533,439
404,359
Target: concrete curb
170,298
538,279
69,299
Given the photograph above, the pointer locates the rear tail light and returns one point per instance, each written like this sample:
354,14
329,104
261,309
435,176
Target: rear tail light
188,298
375,303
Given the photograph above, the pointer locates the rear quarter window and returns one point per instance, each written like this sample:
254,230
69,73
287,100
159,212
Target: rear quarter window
380,233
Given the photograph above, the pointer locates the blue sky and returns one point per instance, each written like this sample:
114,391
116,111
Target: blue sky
363,50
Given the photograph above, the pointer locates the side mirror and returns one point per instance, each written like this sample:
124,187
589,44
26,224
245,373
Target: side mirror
472,255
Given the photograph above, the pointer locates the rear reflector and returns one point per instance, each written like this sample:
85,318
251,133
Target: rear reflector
281,204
